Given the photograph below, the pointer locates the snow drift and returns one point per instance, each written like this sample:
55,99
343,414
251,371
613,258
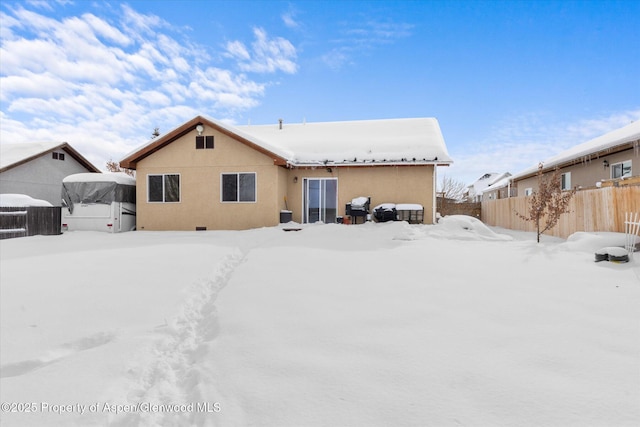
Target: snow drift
330,325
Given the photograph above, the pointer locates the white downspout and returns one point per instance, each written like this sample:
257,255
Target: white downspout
434,201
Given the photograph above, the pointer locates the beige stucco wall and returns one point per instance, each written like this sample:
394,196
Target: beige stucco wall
586,174
200,204
200,176
384,184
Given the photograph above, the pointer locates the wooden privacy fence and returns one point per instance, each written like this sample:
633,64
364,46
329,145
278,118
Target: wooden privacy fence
29,221
599,209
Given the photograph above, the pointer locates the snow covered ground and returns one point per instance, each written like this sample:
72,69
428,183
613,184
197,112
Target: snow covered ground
386,324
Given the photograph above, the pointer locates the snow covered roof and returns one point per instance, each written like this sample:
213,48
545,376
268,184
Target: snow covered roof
364,142
487,180
12,155
117,177
597,147
414,141
500,183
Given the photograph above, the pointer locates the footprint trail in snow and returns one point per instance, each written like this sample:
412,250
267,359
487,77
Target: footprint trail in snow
174,373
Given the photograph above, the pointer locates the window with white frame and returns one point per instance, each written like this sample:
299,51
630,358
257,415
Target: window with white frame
238,187
621,170
164,188
565,182
528,191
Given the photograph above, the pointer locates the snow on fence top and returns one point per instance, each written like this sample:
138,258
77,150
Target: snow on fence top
21,200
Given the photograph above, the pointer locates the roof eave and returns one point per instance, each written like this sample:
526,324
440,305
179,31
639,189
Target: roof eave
607,151
130,162
311,164
63,146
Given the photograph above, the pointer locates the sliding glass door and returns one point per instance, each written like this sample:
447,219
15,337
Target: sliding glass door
320,200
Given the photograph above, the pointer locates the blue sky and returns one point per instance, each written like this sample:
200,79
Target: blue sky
511,82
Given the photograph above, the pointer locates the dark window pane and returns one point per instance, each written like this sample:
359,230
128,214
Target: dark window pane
209,141
247,187
199,142
230,188
54,155
172,188
155,188
61,156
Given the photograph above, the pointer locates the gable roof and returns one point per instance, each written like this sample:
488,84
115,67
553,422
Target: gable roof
131,159
12,155
366,142
620,139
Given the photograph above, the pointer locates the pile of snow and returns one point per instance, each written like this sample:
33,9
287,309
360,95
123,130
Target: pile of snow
466,227
21,200
593,241
330,325
359,201
409,207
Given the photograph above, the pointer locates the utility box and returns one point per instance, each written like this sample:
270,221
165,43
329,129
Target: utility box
286,216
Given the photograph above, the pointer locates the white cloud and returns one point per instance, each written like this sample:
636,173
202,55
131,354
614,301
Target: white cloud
267,55
358,37
238,50
523,141
140,25
337,58
104,29
376,32
103,83
31,84
289,19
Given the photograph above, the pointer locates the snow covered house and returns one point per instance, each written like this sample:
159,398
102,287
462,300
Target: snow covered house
205,174
476,190
606,160
37,169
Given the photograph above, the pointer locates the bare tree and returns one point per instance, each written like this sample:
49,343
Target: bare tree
115,167
452,189
548,203
450,195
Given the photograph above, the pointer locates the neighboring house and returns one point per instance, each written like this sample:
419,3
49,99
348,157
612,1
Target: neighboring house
610,159
37,169
500,189
476,190
208,175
